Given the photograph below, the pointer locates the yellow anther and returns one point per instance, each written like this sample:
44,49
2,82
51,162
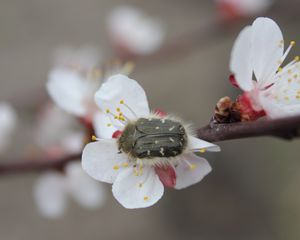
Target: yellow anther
140,185
109,124
107,111
298,96
118,109
94,138
293,43
116,167
279,69
296,75
297,58
96,73
125,164
286,98
202,150
289,80
289,71
128,68
146,198
193,166
116,117
122,102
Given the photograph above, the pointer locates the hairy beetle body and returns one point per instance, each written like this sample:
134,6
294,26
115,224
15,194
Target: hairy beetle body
152,138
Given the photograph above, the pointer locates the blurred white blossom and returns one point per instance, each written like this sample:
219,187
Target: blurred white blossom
133,32
243,8
57,132
259,50
8,124
54,189
74,80
138,183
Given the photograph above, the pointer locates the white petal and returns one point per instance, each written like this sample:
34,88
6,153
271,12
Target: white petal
103,126
133,30
187,175
241,60
71,92
50,195
85,57
8,124
120,87
137,191
283,98
102,161
268,49
197,144
85,190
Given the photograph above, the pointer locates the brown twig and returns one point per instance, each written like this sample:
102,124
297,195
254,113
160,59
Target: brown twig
285,128
37,165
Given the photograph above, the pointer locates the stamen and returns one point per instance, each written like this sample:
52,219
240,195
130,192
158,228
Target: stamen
125,164
292,43
94,138
116,117
116,167
146,198
127,68
191,166
129,108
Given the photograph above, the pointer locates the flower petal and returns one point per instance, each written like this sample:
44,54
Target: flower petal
71,92
189,175
102,161
241,60
197,144
85,190
282,99
166,175
8,124
268,49
134,31
138,191
50,195
121,88
103,126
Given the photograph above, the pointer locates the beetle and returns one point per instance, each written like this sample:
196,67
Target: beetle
149,138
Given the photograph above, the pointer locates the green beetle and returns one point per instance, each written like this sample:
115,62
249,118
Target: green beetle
153,137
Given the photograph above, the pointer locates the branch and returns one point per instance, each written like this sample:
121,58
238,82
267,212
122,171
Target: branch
37,165
285,128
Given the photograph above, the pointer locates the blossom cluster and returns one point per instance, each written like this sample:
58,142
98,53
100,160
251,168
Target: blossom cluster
105,114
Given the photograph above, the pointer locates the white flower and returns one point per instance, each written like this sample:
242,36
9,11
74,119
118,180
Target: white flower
283,98
8,123
74,80
57,132
259,50
133,31
52,190
83,58
166,157
244,7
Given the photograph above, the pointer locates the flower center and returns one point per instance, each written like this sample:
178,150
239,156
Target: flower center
149,138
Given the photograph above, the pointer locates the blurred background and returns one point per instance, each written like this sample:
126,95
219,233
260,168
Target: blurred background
253,191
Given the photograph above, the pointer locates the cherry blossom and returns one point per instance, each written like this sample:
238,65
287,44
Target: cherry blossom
134,33
53,190
170,160
8,124
259,52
